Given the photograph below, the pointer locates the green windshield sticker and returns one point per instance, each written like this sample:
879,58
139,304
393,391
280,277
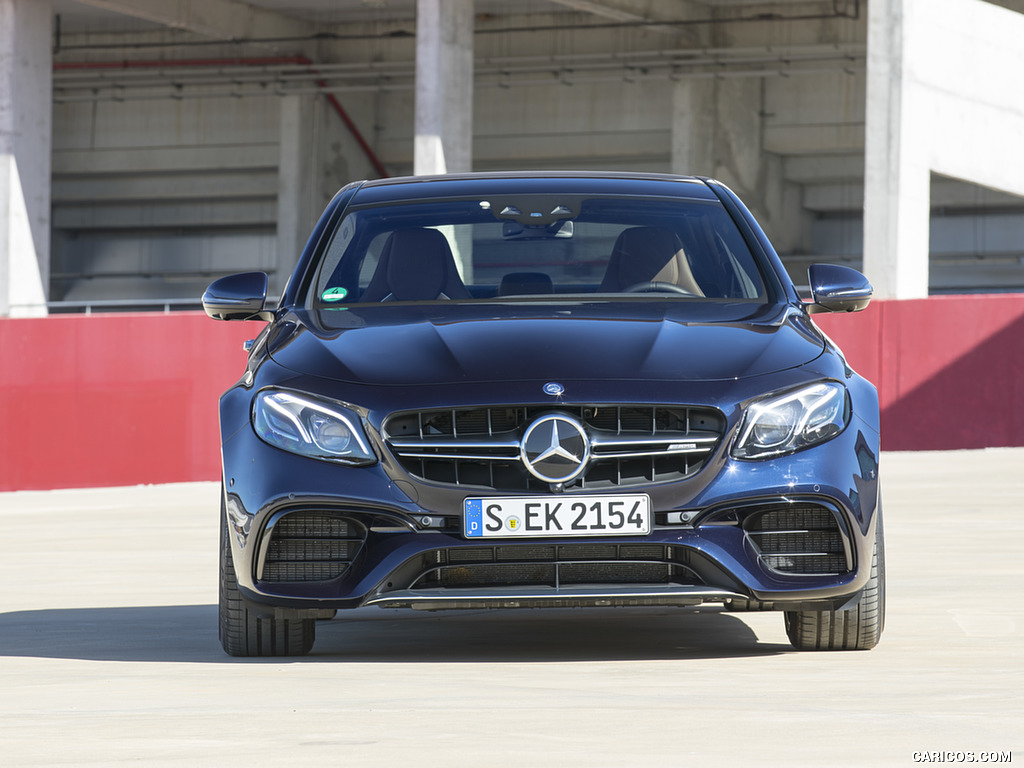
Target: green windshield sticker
334,294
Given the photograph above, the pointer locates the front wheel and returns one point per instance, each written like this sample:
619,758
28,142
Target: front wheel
856,629
242,633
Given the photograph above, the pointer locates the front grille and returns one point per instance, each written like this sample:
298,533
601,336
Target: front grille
800,539
555,565
310,546
480,447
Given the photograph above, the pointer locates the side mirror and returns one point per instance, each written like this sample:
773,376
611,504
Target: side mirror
838,289
238,297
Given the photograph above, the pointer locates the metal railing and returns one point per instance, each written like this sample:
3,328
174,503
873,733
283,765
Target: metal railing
98,306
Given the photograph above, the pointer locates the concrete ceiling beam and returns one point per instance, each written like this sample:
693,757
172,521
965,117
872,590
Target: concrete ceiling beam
217,19
618,11
816,169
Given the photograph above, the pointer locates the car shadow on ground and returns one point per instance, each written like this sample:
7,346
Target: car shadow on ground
188,633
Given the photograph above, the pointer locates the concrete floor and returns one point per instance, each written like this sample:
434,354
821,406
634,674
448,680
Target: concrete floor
109,654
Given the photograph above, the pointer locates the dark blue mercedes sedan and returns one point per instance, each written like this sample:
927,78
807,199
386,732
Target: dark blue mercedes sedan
546,390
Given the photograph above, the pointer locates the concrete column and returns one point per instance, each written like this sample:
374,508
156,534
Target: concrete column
444,87
694,109
717,130
297,188
896,174
943,96
26,88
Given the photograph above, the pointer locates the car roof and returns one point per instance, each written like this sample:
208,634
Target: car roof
532,182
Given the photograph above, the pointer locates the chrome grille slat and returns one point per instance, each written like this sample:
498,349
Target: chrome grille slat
454,456
643,454
480,447
699,439
448,444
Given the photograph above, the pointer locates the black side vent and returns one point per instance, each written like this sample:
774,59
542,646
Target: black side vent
802,539
310,546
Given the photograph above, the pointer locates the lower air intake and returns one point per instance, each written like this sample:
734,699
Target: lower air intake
555,566
310,546
802,539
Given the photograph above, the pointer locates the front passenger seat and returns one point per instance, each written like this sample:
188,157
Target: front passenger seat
415,265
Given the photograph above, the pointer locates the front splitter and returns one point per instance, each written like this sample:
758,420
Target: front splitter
550,597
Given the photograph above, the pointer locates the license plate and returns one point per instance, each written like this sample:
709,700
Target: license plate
619,515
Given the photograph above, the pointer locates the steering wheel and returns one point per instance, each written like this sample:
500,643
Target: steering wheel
655,286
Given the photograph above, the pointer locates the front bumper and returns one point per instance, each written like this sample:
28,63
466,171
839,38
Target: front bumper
402,545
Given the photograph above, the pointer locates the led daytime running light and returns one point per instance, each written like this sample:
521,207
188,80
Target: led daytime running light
792,421
309,426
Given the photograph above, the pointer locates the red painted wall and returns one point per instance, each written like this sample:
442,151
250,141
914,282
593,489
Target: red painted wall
949,369
105,400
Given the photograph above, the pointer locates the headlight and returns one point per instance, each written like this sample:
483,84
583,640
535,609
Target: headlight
792,421
310,426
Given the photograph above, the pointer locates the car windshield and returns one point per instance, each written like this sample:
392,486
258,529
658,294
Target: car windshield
529,247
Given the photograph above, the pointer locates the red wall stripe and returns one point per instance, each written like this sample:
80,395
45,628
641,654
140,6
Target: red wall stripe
106,400
949,369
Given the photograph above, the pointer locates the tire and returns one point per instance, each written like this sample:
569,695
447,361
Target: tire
856,629
242,633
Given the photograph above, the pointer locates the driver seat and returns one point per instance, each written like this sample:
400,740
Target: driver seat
647,255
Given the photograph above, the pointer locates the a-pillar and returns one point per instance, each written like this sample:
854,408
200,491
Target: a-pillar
444,87
297,188
26,87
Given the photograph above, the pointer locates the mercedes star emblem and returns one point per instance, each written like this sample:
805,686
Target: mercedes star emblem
555,449
554,389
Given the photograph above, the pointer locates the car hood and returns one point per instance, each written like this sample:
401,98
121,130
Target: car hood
479,343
